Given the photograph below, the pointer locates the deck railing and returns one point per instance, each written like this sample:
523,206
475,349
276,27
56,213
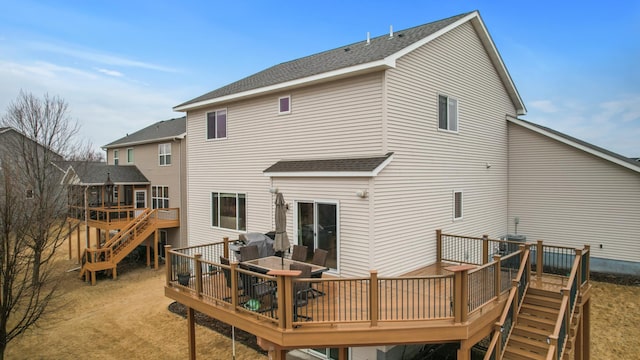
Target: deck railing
472,250
519,285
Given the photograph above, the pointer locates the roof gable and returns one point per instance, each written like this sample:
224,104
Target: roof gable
95,173
161,130
378,54
579,144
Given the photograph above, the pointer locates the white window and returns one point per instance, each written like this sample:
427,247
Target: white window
447,113
164,152
217,124
29,194
457,205
160,197
115,157
229,210
284,105
130,155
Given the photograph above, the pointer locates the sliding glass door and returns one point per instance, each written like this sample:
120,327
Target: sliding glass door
318,228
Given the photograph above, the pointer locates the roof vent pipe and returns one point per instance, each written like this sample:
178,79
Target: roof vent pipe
390,31
368,38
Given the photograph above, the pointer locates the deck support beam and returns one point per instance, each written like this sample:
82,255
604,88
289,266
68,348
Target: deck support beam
464,352
191,325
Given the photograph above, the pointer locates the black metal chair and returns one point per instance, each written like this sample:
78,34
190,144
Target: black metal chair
299,253
301,290
257,289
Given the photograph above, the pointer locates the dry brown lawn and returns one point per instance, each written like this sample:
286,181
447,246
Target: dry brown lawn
128,319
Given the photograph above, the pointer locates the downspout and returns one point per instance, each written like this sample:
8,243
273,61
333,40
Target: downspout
86,215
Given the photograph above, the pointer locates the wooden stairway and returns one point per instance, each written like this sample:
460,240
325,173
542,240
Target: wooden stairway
118,247
535,322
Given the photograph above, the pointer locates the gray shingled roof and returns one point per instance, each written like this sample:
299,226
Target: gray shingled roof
584,143
160,130
95,173
338,58
367,164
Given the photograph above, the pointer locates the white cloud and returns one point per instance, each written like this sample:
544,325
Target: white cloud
546,106
111,72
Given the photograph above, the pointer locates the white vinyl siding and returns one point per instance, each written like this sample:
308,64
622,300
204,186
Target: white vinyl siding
261,138
413,195
567,197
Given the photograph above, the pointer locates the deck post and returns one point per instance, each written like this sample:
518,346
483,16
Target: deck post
78,243
485,249
70,232
234,285
155,249
438,246
498,276
167,249
579,272
191,333
225,247
373,298
343,353
586,330
460,291
148,252
585,258
464,352
539,259
198,267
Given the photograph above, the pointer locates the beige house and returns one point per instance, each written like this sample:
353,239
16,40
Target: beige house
157,151
373,145
570,192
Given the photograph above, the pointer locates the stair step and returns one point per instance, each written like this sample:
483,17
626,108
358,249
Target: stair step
512,353
531,332
537,322
544,301
539,311
545,293
532,345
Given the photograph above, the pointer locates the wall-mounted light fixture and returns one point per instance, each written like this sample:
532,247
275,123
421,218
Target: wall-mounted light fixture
273,190
488,165
362,194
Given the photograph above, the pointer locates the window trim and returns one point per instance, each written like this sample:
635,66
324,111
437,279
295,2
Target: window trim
237,215
226,121
155,198
116,156
454,203
457,118
130,156
161,155
280,112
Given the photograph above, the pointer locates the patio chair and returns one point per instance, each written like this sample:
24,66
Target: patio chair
320,259
227,277
301,290
299,253
249,252
257,289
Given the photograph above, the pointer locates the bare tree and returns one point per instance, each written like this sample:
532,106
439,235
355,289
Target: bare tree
37,133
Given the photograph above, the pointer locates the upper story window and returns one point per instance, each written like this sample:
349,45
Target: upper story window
284,105
164,152
130,155
447,113
29,194
229,210
457,205
217,124
116,159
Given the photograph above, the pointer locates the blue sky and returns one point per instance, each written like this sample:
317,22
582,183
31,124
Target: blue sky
122,65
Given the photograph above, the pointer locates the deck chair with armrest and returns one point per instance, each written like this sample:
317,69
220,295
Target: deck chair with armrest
320,259
257,289
301,290
299,253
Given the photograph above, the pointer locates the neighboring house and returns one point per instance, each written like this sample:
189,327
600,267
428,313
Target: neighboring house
158,152
373,145
570,192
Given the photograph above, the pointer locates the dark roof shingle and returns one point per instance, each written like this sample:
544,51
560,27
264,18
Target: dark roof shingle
95,173
160,130
344,56
366,164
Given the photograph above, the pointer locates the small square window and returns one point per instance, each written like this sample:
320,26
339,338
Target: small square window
284,105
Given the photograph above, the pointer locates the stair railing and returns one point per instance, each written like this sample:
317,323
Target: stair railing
502,328
557,339
117,237
132,233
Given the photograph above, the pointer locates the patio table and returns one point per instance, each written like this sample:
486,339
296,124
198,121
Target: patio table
265,264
